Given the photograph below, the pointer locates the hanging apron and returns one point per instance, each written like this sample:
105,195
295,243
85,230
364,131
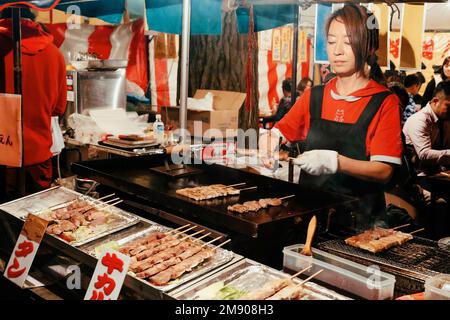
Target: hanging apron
348,140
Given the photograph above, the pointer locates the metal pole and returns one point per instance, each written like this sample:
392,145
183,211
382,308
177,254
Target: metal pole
17,39
295,57
184,66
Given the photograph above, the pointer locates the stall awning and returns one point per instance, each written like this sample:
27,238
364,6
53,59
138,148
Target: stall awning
35,4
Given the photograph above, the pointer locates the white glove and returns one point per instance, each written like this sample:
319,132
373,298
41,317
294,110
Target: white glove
318,162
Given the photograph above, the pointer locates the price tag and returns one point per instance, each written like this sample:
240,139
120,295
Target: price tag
27,245
109,275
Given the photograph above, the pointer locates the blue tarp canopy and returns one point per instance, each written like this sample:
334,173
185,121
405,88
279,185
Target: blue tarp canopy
166,15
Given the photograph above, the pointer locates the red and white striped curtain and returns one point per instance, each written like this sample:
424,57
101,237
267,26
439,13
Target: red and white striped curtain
126,41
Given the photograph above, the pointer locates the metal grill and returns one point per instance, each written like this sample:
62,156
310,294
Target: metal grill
418,258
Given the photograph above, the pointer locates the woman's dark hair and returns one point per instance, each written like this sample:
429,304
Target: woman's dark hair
364,40
444,63
303,83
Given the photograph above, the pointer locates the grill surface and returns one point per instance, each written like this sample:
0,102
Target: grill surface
418,258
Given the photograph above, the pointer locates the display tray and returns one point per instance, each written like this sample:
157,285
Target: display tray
220,257
55,198
128,145
235,281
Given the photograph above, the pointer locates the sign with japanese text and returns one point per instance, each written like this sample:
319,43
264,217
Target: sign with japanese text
27,245
276,45
10,130
286,41
109,275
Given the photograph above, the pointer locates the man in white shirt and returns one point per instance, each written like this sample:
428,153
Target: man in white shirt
424,131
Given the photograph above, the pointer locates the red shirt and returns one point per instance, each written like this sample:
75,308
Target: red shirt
383,140
44,90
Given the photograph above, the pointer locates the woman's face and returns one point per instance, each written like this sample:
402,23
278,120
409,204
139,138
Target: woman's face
339,49
447,70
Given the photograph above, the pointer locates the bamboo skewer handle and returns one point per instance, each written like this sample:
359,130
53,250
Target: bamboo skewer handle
178,229
191,235
237,184
287,197
300,272
222,244
416,231
310,277
182,232
402,226
111,205
211,241
250,188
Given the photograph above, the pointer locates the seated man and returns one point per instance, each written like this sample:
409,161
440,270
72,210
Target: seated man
426,140
424,131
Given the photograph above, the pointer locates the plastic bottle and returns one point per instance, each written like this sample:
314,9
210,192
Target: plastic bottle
158,129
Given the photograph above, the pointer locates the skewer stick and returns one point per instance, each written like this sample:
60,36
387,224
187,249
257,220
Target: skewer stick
222,244
191,235
300,272
287,197
211,241
250,188
109,195
417,231
106,202
237,184
204,236
111,205
402,226
178,229
309,278
181,232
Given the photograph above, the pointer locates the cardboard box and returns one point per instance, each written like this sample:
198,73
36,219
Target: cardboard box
225,116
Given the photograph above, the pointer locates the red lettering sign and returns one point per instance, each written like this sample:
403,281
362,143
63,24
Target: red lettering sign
112,262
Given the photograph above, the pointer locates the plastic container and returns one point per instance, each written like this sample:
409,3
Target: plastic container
158,130
438,287
367,282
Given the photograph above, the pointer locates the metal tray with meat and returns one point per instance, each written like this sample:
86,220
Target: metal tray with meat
248,279
165,258
74,218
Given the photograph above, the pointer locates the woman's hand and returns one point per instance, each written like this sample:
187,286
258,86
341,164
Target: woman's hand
318,162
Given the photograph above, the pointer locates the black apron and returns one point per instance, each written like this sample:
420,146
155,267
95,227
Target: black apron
348,140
